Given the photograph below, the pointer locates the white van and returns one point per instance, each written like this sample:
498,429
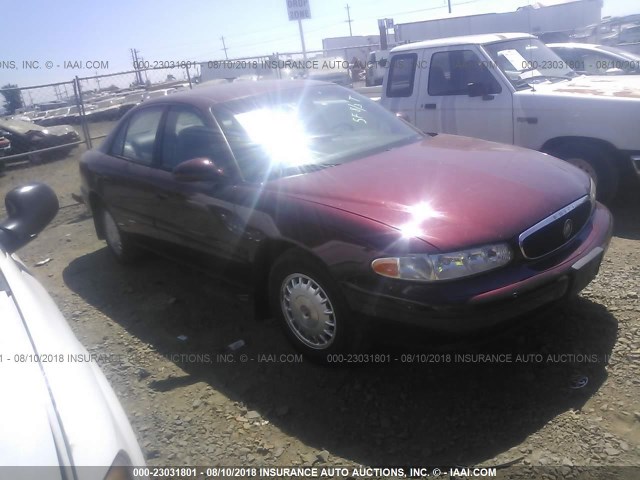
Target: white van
511,88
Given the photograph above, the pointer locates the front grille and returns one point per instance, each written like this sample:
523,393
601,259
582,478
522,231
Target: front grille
556,230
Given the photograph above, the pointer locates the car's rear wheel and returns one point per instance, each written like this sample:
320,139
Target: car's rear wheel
592,160
119,243
313,313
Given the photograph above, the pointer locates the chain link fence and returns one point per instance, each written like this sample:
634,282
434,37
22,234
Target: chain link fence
106,98
43,125
346,66
49,121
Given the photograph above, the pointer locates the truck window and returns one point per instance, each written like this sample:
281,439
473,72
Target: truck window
451,72
401,75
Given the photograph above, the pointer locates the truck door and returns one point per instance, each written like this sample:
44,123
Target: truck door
461,94
400,84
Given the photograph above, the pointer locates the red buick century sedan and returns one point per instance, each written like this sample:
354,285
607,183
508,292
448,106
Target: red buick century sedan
332,210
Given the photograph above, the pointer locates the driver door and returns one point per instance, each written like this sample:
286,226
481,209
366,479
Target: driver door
446,105
194,214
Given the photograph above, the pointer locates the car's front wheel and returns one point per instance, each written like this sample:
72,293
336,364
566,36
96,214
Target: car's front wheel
119,243
313,313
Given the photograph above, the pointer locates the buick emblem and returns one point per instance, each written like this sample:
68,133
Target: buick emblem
567,228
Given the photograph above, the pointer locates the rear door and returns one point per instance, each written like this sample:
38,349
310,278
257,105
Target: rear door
125,181
446,104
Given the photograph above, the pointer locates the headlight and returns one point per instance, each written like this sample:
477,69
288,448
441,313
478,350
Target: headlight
444,266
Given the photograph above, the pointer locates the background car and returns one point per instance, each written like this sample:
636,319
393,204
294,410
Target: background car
57,408
332,210
27,137
589,59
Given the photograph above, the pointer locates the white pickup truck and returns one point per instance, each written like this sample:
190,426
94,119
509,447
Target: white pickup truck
511,88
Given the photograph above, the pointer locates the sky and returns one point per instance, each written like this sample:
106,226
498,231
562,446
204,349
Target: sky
186,30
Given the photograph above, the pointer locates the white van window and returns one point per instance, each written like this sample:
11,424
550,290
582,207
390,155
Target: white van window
401,75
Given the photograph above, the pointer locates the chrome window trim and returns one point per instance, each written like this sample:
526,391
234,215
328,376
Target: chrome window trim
550,219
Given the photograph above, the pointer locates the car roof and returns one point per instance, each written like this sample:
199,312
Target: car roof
462,40
221,93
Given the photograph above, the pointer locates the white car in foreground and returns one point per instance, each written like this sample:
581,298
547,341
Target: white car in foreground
57,409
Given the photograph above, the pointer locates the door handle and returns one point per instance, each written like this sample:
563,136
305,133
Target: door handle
429,106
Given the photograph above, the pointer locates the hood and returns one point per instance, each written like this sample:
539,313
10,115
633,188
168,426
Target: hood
450,191
61,129
612,86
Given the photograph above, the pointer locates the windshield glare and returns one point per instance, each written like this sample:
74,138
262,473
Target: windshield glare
297,130
527,61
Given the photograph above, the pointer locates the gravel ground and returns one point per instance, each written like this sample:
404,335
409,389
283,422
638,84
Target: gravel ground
192,402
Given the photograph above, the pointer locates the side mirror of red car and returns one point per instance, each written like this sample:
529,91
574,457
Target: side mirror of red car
198,170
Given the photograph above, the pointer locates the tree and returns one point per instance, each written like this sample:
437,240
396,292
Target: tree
12,98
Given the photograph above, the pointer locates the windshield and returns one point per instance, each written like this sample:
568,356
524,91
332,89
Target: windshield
619,51
528,61
294,131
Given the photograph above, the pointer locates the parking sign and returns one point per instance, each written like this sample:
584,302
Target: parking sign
298,9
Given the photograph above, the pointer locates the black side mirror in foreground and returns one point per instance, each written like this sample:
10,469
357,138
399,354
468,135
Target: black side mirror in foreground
30,208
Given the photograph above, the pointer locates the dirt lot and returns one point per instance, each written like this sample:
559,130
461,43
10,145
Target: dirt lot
189,407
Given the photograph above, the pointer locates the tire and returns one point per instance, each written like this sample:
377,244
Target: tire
310,308
593,160
119,243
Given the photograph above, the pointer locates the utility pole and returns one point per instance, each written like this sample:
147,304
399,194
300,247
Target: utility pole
449,3
136,65
349,19
224,47
145,73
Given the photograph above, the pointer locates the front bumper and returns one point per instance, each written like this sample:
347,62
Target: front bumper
435,306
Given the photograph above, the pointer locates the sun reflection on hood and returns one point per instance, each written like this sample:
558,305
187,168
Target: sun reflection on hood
419,213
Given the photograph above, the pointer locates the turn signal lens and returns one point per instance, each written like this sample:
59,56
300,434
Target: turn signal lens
387,267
